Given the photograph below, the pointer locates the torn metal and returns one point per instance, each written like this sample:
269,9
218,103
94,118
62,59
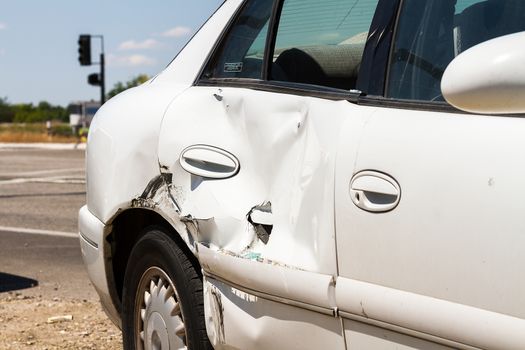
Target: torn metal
146,199
158,196
260,217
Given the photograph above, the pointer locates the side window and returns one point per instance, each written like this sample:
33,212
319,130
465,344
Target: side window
321,42
431,33
242,52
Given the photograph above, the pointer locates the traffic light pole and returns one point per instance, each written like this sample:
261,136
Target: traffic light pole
84,51
102,70
102,80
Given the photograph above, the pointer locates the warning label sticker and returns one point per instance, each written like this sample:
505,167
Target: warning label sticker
233,67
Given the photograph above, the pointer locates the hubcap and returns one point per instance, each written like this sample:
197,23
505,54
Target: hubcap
158,318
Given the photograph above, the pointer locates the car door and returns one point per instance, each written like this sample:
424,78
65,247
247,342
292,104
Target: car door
429,214
250,151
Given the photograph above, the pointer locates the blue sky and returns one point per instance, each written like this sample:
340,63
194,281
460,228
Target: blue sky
38,43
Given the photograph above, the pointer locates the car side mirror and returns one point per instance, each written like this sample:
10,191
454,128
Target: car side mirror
488,78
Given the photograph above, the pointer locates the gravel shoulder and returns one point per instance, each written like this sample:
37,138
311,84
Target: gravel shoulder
37,322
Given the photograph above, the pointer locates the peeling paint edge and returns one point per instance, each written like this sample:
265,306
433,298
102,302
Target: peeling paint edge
157,193
256,257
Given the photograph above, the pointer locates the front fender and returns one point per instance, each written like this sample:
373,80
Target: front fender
122,147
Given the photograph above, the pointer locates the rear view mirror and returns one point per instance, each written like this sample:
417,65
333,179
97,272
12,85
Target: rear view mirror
489,78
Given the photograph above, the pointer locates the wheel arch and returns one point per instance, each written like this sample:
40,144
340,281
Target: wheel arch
127,228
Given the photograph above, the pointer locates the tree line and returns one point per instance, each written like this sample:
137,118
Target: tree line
29,113
43,111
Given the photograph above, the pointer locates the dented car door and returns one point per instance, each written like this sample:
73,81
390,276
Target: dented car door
269,228
251,154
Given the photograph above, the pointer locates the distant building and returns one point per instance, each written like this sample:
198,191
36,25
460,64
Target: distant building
81,114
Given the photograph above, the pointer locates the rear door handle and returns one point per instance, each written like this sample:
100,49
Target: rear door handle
209,162
374,191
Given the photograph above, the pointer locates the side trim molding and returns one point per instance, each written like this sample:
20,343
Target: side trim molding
315,308
428,317
284,284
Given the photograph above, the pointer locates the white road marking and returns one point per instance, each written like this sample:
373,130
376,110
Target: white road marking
41,172
54,180
51,146
33,231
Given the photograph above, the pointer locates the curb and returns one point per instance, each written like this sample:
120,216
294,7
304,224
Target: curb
49,146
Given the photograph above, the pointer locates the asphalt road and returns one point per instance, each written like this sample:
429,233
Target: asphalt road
41,192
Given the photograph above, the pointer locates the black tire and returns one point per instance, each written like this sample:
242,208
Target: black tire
156,263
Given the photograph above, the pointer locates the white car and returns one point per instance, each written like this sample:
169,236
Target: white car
296,179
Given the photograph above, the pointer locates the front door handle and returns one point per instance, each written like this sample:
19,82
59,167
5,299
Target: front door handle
209,162
374,191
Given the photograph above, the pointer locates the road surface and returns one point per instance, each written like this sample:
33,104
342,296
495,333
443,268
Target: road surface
41,192
41,269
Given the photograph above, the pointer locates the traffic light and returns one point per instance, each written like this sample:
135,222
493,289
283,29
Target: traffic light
84,50
94,79
84,57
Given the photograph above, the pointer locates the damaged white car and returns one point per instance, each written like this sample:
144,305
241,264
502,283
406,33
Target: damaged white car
319,175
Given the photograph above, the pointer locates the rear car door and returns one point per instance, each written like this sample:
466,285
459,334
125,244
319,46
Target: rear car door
429,214
250,153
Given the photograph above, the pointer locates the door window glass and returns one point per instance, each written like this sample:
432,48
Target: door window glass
431,33
242,52
322,42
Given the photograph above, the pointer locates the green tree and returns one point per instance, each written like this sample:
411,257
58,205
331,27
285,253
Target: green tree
28,113
6,112
119,87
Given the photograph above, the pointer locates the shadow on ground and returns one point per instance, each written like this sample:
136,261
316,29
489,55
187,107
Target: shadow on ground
10,282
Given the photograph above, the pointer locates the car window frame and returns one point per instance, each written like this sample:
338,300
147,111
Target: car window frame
378,98
265,84
375,66
201,80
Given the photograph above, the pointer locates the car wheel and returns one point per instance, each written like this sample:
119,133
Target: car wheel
162,301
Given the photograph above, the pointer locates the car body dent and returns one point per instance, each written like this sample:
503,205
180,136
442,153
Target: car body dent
123,159
266,278
269,230
282,162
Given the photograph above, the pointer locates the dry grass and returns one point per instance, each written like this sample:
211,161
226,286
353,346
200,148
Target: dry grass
31,133
30,137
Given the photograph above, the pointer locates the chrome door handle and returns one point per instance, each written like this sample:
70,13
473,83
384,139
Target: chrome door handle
209,162
374,191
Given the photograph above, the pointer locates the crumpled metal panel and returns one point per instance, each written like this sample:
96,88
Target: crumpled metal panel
286,149
122,147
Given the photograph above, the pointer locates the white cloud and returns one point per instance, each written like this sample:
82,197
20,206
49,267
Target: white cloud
3,25
177,32
130,61
139,45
